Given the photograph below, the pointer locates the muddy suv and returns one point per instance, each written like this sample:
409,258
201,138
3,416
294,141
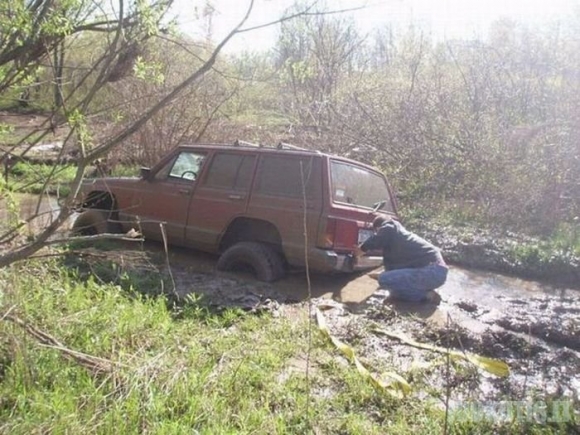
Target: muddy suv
260,208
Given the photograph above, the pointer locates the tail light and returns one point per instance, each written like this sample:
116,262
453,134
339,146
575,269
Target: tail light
329,234
340,234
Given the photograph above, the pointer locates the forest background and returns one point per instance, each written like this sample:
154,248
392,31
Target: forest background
479,131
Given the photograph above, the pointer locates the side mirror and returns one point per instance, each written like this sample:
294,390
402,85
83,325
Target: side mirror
144,172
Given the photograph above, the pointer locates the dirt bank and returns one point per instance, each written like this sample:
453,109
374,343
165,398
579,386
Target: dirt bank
484,250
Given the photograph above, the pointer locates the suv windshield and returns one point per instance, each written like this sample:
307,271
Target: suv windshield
358,186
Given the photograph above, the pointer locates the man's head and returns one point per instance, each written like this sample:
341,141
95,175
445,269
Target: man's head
379,221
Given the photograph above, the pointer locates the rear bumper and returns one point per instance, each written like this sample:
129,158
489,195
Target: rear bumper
330,261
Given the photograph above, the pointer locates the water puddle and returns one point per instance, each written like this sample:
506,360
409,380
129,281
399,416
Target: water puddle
38,212
531,326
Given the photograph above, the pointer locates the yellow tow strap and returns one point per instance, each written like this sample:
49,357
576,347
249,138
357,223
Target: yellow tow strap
490,365
389,382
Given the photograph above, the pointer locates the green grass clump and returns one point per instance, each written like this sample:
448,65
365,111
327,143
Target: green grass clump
173,373
125,171
41,178
559,250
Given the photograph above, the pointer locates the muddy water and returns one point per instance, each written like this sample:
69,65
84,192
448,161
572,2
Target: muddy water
485,289
37,212
476,300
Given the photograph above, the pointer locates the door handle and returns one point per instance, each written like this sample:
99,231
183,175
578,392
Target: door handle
184,191
233,196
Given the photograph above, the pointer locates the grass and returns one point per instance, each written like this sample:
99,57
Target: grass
125,171
181,368
43,178
40,178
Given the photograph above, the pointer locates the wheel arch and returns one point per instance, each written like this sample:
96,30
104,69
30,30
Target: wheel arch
104,202
244,229
100,199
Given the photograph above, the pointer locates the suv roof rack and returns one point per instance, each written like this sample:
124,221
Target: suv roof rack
287,146
244,143
279,146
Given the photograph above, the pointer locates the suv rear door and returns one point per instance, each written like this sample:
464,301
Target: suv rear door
356,193
282,181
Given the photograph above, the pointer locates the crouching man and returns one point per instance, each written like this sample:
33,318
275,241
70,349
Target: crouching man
413,266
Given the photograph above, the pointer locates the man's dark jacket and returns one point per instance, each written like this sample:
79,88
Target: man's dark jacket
401,248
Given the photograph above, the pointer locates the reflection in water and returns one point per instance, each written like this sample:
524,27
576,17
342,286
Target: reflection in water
488,288
39,211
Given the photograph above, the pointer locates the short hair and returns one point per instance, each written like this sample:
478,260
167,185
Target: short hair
379,221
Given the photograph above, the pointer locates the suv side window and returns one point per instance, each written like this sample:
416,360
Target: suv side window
282,176
185,166
230,172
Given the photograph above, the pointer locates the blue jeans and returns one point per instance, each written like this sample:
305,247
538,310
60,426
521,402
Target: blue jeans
413,284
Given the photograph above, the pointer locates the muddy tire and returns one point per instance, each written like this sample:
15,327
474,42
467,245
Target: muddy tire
266,264
91,222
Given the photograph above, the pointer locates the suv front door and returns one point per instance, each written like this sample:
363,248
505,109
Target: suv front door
165,196
221,196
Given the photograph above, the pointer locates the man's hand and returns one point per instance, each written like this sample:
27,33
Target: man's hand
358,252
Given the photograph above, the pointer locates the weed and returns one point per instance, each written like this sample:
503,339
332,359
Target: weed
41,178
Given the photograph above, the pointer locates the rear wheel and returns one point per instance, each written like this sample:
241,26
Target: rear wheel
266,264
91,222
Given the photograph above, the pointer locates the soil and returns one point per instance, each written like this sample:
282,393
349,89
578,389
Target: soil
532,327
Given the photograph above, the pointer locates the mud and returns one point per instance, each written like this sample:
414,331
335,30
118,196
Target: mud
532,327
539,369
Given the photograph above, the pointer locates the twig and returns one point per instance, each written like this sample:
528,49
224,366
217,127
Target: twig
309,285
304,12
447,381
76,252
103,236
94,364
530,359
7,312
166,248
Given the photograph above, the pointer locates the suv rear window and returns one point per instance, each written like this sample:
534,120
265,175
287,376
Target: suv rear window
358,186
281,176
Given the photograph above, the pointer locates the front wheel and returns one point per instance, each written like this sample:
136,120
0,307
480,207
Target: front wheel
92,221
266,264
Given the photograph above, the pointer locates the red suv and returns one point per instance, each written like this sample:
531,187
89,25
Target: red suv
259,208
